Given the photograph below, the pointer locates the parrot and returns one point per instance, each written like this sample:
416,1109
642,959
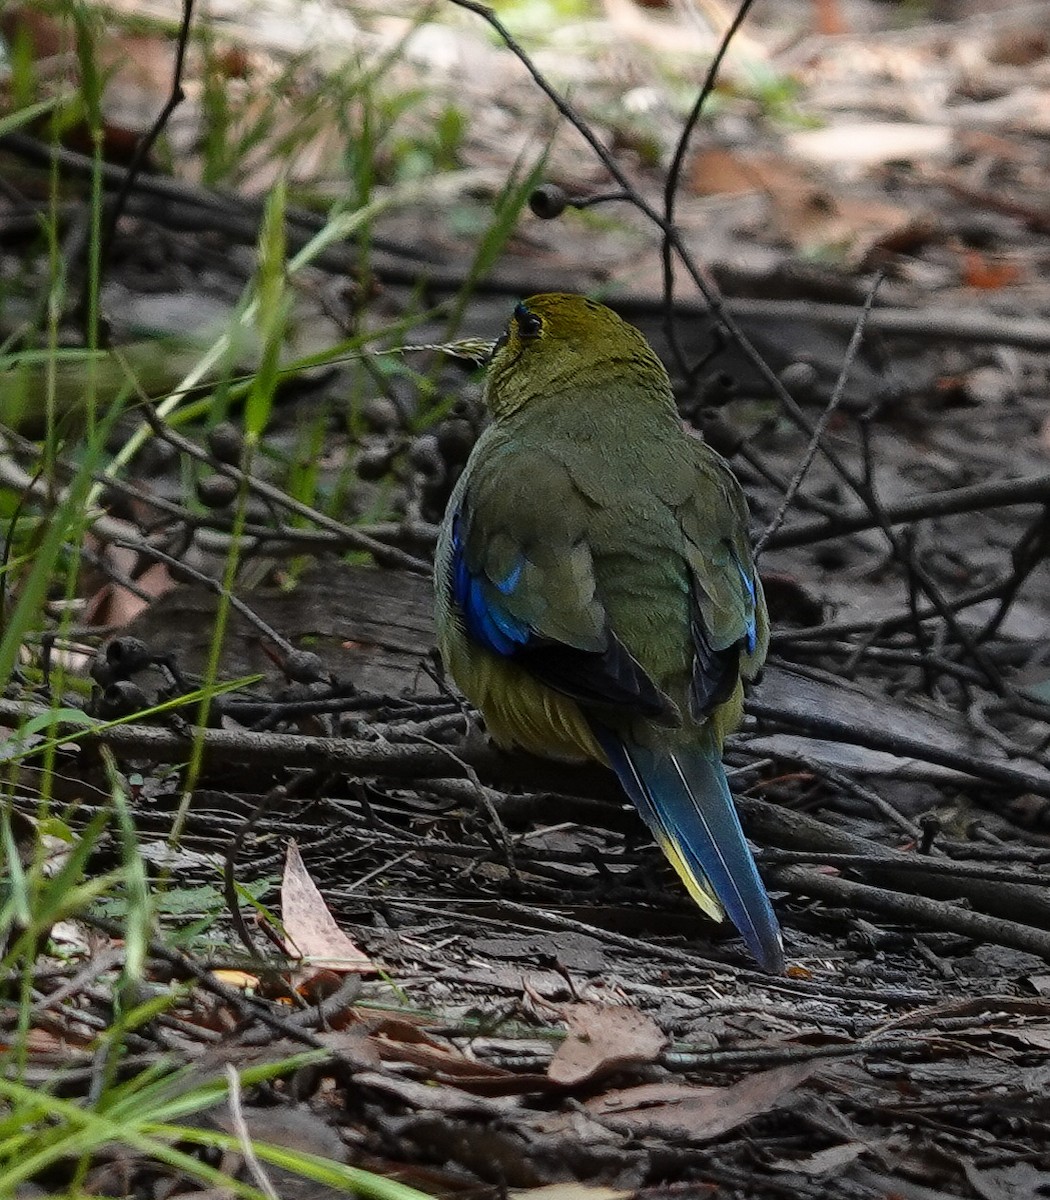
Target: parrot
595,592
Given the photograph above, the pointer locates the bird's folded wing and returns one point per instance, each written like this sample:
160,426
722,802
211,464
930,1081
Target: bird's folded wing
521,576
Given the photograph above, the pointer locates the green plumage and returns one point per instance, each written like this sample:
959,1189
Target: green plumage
609,548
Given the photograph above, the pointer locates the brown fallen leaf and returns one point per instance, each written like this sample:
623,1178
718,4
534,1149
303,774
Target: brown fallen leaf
986,274
698,1113
604,1038
822,1162
115,606
806,207
310,929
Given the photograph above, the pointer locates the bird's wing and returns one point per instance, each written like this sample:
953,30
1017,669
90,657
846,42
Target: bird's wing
728,625
520,573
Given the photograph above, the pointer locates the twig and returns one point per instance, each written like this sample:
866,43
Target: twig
382,553
144,146
852,350
1029,552
839,729
532,918
916,910
1028,489
795,831
901,863
240,1128
213,586
674,173
229,864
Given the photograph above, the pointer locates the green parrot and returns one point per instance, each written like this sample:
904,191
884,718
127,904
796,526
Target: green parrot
596,596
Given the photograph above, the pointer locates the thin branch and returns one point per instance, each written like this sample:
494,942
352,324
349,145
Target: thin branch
916,910
841,729
1028,489
382,553
852,350
671,189
142,149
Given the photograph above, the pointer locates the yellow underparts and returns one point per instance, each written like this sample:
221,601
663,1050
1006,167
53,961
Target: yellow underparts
521,711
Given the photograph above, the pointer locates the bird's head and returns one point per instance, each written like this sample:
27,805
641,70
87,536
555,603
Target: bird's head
557,342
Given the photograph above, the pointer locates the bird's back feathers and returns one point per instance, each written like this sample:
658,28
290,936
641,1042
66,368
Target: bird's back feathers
596,594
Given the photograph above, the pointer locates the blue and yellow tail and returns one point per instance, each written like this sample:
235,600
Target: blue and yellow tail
685,800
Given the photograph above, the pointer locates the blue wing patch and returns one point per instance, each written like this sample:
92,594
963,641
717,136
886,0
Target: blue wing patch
751,636
609,676
715,672
486,622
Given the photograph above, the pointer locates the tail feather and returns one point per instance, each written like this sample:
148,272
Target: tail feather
685,800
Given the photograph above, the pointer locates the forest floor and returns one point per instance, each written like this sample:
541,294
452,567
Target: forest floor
500,986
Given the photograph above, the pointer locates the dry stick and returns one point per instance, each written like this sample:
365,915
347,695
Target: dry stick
671,192
214,586
852,350
399,760
217,210
229,866
1028,489
889,654
248,1010
533,918
1029,551
244,1136
973,328
916,910
938,878
209,530
145,144
903,864
382,553
891,623
839,729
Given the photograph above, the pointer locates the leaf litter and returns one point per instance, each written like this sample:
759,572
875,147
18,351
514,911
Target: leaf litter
551,1019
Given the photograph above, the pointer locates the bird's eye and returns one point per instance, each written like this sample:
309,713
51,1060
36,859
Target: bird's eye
528,323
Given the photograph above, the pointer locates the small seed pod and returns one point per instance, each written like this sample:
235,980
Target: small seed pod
216,491
425,455
303,666
548,201
124,656
121,699
801,379
226,443
381,415
455,439
373,464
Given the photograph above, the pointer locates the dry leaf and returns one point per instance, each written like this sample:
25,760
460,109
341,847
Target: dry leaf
822,1162
699,1113
115,606
241,980
984,273
603,1039
312,932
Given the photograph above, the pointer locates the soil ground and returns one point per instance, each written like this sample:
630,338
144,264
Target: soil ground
540,1004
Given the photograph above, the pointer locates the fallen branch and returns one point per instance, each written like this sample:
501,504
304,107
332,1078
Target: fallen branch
915,910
